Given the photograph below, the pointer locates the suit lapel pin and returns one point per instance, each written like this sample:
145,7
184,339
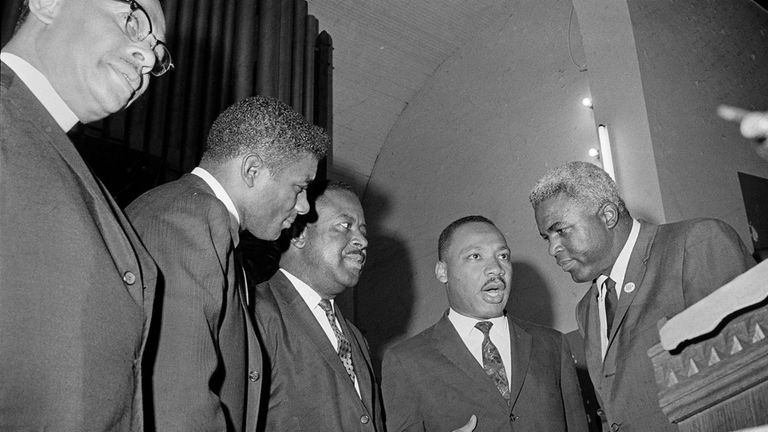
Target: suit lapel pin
628,288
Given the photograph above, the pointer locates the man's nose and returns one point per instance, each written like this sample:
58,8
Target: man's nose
495,268
302,205
359,239
554,247
143,57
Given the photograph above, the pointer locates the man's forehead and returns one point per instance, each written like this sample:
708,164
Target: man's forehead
555,205
304,167
475,234
342,201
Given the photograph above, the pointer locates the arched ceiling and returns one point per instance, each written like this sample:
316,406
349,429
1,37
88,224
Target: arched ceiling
384,52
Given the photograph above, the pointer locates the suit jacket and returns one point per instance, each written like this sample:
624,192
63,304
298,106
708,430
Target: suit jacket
206,359
309,387
431,382
76,285
671,267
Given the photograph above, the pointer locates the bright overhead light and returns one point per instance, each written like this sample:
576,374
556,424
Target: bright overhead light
587,102
605,150
593,152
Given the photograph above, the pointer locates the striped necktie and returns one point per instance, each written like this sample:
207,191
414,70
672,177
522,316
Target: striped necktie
345,349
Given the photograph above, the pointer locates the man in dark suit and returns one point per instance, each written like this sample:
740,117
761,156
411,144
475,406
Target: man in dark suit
76,285
511,374
321,378
259,158
640,273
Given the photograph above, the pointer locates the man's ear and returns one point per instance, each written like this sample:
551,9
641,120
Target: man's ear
44,10
441,272
252,167
300,241
609,214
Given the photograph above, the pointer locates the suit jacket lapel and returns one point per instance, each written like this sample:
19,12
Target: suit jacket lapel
634,275
450,345
520,347
285,292
588,319
119,236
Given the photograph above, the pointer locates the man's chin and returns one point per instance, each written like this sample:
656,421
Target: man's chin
580,278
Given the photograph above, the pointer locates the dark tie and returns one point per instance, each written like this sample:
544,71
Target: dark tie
492,363
345,350
611,301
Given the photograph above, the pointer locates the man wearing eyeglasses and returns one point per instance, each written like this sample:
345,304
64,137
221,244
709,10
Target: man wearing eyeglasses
76,285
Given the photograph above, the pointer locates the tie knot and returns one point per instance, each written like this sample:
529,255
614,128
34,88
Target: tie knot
325,305
610,284
484,326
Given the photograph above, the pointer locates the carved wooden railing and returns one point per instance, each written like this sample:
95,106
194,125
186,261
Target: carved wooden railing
712,363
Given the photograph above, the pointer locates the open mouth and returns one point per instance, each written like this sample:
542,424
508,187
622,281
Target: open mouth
493,291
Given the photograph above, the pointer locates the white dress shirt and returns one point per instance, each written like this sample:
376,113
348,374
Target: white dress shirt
224,197
618,271
312,299
473,338
39,85
218,190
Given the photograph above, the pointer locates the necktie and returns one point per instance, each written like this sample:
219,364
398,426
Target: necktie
611,302
492,363
345,350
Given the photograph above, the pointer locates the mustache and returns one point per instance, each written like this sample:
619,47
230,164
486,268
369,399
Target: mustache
495,280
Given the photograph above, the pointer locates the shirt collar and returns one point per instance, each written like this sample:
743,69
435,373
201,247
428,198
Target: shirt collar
619,269
39,85
465,325
310,296
218,190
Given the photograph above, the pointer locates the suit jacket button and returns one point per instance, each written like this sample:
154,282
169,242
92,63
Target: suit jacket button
513,417
254,376
364,419
129,278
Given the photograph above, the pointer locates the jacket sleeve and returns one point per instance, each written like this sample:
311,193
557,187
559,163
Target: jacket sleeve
714,255
401,411
193,252
573,404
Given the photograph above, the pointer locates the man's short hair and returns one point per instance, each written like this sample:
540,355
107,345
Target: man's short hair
444,241
314,192
267,127
587,184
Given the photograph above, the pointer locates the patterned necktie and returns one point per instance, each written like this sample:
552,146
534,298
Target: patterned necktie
345,350
492,363
611,301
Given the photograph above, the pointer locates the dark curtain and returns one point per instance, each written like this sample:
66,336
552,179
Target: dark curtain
223,51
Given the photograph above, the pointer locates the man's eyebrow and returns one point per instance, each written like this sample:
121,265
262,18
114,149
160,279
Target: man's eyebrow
467,249
555,226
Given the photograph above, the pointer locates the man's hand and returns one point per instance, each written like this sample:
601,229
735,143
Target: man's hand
470,426
753,125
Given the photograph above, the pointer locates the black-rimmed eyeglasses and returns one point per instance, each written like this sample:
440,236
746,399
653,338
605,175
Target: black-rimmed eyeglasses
138,27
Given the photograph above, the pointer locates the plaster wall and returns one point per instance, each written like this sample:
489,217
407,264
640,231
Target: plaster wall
694,55
494,117
619,102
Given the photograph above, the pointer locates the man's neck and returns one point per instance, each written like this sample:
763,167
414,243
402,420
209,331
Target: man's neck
620,235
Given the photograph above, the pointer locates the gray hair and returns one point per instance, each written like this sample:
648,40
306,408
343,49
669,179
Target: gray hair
585,183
